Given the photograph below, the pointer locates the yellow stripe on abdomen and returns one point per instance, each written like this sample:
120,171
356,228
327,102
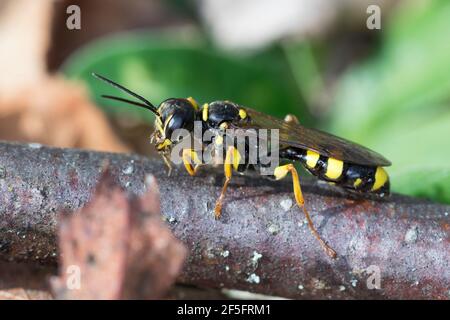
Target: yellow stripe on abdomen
334,168
381,177
311,158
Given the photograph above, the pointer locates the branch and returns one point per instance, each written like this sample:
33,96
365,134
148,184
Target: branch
261,244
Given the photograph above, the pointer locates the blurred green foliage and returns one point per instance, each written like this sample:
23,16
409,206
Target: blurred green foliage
395,101
166,66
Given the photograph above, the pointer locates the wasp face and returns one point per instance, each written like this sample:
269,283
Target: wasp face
173,114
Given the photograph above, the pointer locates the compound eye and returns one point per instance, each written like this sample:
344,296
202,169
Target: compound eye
173,124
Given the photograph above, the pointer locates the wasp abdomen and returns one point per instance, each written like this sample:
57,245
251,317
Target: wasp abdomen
348,175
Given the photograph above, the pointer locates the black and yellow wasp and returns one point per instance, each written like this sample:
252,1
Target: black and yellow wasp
328,157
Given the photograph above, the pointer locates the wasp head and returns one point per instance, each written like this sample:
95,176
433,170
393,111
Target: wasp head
174,114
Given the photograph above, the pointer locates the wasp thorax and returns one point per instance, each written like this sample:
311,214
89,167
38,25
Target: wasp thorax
220,112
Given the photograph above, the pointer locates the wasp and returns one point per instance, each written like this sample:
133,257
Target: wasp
328,157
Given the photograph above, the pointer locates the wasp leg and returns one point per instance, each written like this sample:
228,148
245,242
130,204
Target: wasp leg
279,173
290,118
168,164
190,155
232,160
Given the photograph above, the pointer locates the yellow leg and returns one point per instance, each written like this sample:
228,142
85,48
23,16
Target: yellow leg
279,173
232,160
190,155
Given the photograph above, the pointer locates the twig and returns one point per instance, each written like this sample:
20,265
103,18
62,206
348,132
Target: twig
261,243
22,281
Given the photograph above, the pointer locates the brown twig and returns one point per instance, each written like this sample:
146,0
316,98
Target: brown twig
24,281
261,242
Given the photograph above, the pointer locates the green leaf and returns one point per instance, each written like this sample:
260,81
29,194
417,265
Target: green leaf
397,102
161,67
419,149
431,183
412,71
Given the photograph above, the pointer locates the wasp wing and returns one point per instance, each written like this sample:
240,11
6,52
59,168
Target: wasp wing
326,144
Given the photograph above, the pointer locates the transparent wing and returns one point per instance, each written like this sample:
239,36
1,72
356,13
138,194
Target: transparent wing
321,142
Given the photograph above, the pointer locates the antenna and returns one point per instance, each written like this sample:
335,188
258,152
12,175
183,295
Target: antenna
135,103
146,104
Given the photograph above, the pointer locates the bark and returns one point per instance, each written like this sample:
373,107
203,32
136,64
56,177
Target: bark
261,244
